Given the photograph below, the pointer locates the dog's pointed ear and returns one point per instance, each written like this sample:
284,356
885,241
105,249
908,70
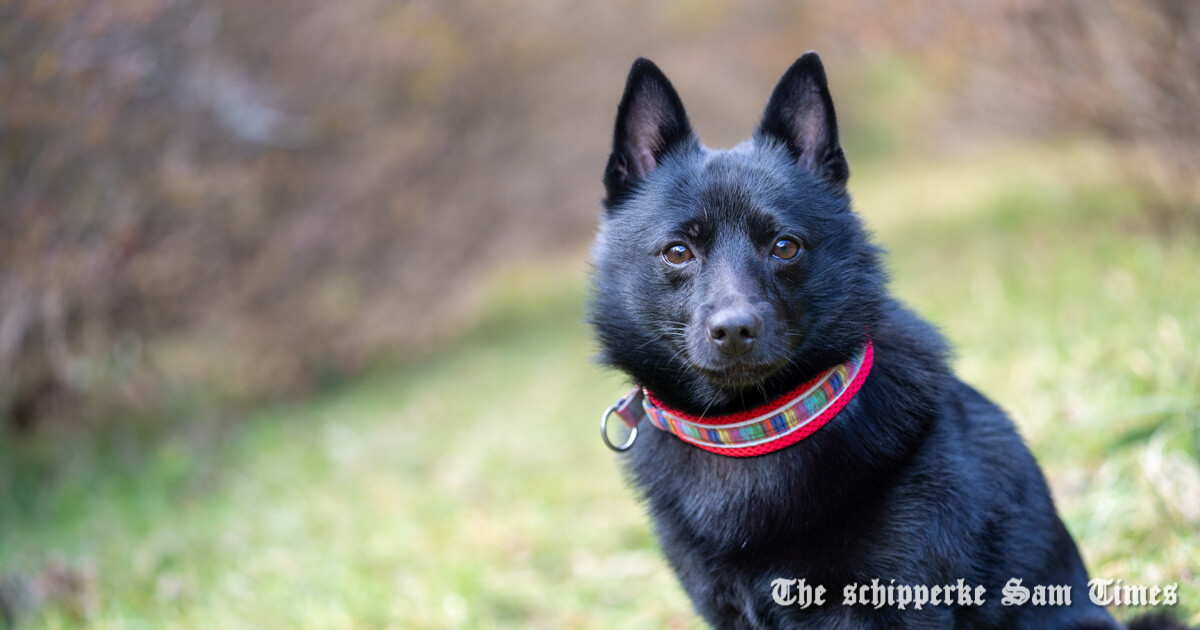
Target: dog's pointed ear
800,115
650,123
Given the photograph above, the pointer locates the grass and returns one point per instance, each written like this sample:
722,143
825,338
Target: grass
470,490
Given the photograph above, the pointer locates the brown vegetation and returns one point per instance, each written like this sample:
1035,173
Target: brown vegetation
244,198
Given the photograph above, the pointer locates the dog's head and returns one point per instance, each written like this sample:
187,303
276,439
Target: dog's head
723,278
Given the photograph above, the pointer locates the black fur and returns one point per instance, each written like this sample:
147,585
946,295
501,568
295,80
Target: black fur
919,479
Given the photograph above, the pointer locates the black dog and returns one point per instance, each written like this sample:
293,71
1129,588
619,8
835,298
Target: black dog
808,425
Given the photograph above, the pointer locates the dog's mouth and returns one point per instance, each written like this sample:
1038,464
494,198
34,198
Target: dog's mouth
738,375
731,362
749,369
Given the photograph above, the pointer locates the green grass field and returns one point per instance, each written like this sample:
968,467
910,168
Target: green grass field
470,489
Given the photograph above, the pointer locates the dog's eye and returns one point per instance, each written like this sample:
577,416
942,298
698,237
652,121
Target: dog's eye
677,254
785,249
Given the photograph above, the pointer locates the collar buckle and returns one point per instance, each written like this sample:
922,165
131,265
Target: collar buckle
630,410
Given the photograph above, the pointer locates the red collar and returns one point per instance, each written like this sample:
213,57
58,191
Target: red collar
764,429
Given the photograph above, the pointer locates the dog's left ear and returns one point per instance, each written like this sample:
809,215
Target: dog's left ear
800,115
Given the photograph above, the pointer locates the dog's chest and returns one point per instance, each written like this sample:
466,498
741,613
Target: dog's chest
726,506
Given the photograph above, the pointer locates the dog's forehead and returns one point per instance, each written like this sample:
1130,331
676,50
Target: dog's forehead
733,191
750,191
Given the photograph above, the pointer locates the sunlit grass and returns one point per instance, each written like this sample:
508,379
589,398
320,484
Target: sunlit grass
470,489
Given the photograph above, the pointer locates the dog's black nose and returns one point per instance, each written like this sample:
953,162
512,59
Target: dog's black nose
734,329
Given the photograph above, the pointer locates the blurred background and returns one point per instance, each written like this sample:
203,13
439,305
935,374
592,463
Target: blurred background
281,284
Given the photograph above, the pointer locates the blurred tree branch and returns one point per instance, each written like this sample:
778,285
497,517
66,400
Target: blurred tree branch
249,197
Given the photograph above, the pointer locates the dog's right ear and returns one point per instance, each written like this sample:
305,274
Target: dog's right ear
650,123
